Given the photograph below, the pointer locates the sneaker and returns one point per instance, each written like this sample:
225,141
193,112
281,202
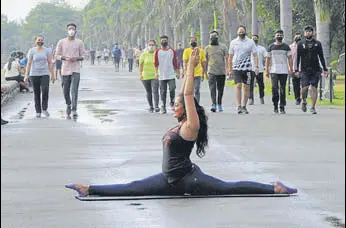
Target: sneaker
251,101
276,110
313,110
213,108
68,110
38,115
163,109
151,109
262,100
46,113
244,110
239,110
219,108
157,109
3,122
74,114
298,102
282,110
304,106
172,106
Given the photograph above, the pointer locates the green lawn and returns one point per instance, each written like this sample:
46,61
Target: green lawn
339,91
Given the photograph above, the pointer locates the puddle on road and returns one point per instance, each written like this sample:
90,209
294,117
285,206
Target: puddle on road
134,204
86,89
335,222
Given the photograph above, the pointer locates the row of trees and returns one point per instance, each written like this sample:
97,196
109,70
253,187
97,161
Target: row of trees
133,22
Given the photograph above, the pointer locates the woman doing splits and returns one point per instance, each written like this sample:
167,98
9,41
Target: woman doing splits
179,175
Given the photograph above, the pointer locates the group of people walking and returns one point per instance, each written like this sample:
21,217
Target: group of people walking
244,61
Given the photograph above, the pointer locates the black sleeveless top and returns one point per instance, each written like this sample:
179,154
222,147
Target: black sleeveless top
176,155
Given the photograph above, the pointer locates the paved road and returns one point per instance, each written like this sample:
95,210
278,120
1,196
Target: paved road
115,141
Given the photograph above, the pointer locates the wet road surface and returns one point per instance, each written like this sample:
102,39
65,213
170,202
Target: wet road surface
115,140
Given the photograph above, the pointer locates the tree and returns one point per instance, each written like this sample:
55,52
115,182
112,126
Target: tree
286,19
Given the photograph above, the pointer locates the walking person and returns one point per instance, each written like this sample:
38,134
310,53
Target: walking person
309,57
179,175
148,76
296,79
240,66
39,67
180,53
216,54
200,69
167,69
92,56
279,65
70,50
130,56
262,55
116,52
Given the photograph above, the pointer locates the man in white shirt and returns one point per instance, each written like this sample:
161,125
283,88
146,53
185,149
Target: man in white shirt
167,69
239,63
279,64
261,54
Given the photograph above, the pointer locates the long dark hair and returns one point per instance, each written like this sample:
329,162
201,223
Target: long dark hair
202,138
9,66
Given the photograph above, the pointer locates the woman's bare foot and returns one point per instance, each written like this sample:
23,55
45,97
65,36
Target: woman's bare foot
280,188
83,190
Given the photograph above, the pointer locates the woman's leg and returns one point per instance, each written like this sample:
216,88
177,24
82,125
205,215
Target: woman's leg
200,183
153,185
45,91
148,90
36,84
155,89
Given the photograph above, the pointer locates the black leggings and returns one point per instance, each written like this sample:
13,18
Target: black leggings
194,183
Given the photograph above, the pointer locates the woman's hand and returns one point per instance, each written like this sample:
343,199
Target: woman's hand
52,78
26,79
194,58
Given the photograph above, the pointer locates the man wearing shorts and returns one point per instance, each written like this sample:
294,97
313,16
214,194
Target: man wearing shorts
309,56
239,62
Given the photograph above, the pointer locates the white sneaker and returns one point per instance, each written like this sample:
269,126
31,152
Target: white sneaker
38,115
46,113
74,113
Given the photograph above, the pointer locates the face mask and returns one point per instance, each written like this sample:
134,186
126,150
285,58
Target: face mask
256,41
308,37
193,44
71,32
40,43
151,48
242,35
297,40
164,43
214,41
279,39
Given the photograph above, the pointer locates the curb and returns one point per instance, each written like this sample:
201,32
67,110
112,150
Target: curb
11,90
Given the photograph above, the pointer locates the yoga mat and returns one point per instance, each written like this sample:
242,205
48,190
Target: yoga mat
108,198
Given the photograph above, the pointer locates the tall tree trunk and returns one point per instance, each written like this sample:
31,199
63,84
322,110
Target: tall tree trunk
227,21
254,18
323,34
205,20
194,28
323,28
184,34
286,19
234,19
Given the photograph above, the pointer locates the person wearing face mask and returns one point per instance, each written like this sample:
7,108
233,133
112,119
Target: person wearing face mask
116,52
148,76
309,57
216,55
167,69
279,65
296,79
39,67
200,69
261,54
71,51
240,66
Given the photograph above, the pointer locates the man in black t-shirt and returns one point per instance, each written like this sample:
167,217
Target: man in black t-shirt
309,56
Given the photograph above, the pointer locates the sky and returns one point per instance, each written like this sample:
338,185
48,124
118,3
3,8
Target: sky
19,9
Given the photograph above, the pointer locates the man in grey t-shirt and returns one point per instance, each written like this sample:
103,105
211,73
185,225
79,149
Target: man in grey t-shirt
216,54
